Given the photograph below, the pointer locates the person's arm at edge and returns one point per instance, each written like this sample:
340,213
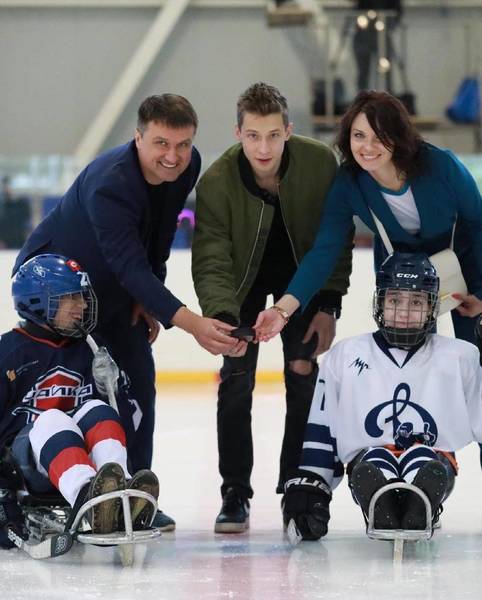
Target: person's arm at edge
469,203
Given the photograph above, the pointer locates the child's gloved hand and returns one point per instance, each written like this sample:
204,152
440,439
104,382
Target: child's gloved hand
11,517
104,371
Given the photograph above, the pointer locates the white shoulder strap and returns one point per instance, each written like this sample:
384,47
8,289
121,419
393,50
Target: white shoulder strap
383,234
386,240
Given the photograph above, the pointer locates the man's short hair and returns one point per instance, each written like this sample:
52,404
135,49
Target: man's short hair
262,99
170,109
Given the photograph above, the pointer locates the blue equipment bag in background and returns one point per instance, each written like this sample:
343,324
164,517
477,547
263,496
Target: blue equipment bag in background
465,107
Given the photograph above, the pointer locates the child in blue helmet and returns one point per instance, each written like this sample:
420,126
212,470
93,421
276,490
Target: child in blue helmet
53,422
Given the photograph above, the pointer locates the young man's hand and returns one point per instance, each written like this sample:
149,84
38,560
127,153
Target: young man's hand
324,325
238,350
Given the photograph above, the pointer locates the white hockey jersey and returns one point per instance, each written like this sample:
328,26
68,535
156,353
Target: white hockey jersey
367,394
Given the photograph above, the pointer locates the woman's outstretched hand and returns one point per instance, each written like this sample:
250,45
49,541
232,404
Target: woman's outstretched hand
268,324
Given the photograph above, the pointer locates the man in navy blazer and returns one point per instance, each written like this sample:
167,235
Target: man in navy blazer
118,220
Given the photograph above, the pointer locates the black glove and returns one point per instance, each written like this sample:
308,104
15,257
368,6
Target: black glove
11,517
306,500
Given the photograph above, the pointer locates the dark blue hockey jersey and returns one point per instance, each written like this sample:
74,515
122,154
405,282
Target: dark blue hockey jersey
39,372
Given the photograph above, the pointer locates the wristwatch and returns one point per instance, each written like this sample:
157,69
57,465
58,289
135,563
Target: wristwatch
334,311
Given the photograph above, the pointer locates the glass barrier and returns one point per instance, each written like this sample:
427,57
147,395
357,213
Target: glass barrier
31,187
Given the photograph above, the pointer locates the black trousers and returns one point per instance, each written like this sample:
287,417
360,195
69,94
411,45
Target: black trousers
235,396
132,352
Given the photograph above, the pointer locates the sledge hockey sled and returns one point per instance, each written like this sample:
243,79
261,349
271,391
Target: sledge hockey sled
399,536
47,515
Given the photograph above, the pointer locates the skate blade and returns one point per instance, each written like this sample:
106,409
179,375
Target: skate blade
293,533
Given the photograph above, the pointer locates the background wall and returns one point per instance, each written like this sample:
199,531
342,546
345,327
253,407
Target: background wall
58,64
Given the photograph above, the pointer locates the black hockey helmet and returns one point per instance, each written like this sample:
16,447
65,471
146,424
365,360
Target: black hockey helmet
403,283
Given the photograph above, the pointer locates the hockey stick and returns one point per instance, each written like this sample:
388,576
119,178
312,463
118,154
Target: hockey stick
56,545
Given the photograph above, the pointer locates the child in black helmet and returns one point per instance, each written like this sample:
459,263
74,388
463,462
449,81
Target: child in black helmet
392,406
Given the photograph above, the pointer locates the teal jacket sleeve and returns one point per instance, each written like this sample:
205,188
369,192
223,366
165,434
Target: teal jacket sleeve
335,227
469,216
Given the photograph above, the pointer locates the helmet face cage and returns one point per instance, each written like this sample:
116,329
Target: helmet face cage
52,290
60,320
404,316
406,303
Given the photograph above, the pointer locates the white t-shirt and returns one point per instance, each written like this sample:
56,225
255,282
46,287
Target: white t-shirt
403,207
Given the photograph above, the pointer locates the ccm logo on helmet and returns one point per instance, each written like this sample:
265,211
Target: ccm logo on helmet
407,276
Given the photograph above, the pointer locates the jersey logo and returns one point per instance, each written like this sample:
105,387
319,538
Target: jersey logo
23,368
359,364
389,412
406,437
59,388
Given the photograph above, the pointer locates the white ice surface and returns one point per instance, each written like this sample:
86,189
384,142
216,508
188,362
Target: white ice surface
194,563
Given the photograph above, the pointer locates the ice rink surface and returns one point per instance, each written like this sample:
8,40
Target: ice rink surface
194,563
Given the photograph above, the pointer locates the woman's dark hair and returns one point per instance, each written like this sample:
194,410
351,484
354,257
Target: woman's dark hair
390,121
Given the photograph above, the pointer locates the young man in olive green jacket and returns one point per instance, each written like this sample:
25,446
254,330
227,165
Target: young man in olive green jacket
257,213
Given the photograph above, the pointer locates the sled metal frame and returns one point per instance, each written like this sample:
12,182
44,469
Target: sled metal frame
45,519
399,536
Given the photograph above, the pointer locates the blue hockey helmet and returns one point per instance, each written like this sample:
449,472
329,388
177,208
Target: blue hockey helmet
405,304
41,283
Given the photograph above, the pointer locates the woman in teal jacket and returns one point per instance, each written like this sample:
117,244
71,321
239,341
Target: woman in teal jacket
417,191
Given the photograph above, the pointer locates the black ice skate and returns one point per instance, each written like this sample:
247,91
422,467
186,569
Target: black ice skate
366,479
142,510
163,522
234,515
432,479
